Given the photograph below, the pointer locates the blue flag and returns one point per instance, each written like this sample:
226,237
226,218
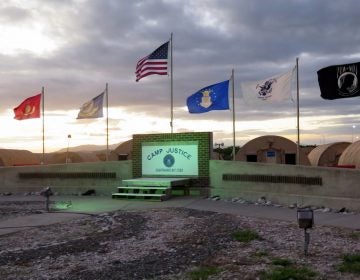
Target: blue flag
214,97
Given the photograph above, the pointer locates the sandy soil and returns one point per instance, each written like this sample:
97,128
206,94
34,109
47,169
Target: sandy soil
166,244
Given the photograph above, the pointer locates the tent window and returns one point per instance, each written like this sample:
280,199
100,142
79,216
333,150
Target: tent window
251,158
290,159
122,156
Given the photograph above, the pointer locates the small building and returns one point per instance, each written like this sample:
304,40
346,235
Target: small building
271,149
123,151
351,156
70,157
11,157
328,154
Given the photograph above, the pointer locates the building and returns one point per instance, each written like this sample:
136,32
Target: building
123,151
271,149
328,154
10,157
351,156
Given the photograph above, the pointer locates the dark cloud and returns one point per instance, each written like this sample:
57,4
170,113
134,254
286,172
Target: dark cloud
100,42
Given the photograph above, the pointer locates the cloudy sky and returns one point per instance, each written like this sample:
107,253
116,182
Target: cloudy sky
73,48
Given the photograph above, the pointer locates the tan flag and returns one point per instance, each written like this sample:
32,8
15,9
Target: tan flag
92,109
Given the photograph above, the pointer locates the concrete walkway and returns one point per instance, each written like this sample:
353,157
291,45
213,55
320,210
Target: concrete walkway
87,205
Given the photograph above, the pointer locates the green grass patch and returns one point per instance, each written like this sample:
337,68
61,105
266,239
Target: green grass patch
203,272
351,263
282,262
246,235
288,272
355,235
260,254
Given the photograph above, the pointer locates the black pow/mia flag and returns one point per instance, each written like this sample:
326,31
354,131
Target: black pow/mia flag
339,81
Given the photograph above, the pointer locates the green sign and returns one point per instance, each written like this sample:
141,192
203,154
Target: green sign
171,159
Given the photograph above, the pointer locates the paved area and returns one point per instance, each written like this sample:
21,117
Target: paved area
89,205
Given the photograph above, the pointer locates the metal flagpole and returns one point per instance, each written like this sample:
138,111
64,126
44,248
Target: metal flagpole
298,112
107,121
43,124
171,84
233,107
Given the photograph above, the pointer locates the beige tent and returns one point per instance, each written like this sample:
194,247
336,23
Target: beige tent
351,156
328,154
271,149
70,157
123,151
10,157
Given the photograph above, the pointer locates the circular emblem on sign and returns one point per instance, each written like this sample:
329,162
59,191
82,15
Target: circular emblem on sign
348,84
169,160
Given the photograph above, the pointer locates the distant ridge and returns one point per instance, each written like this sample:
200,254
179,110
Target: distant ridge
88,148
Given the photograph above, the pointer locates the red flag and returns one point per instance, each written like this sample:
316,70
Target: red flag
29,108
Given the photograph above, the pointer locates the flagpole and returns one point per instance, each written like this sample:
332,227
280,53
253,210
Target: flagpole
107,121
298,112
171,84
233,107
43,124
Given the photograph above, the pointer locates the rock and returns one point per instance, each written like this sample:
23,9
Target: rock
89,192
268,203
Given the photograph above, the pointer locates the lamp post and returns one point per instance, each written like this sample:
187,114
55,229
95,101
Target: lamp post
218,148
67,150
352,134
47,192
305,218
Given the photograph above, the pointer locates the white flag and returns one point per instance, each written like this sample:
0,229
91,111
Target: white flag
93,108
273,89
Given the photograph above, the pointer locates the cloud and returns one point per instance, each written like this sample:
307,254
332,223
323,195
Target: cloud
74,47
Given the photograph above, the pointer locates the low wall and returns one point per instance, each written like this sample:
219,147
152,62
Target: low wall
286,184
72,178
283,184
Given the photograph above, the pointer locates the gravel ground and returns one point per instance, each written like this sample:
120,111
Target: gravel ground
165,244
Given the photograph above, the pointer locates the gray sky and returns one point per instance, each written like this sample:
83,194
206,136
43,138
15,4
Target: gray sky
74,47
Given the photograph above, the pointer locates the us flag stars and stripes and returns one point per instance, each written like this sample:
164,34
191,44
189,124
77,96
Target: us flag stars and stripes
154,63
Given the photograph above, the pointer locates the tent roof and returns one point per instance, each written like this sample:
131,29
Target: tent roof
11,157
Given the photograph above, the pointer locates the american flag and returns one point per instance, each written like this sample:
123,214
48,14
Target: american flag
154,63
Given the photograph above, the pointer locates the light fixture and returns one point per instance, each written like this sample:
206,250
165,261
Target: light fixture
67,150
218,149
305,217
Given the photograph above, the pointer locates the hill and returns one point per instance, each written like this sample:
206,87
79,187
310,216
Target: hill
88,148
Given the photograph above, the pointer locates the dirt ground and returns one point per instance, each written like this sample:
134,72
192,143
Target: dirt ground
170,243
